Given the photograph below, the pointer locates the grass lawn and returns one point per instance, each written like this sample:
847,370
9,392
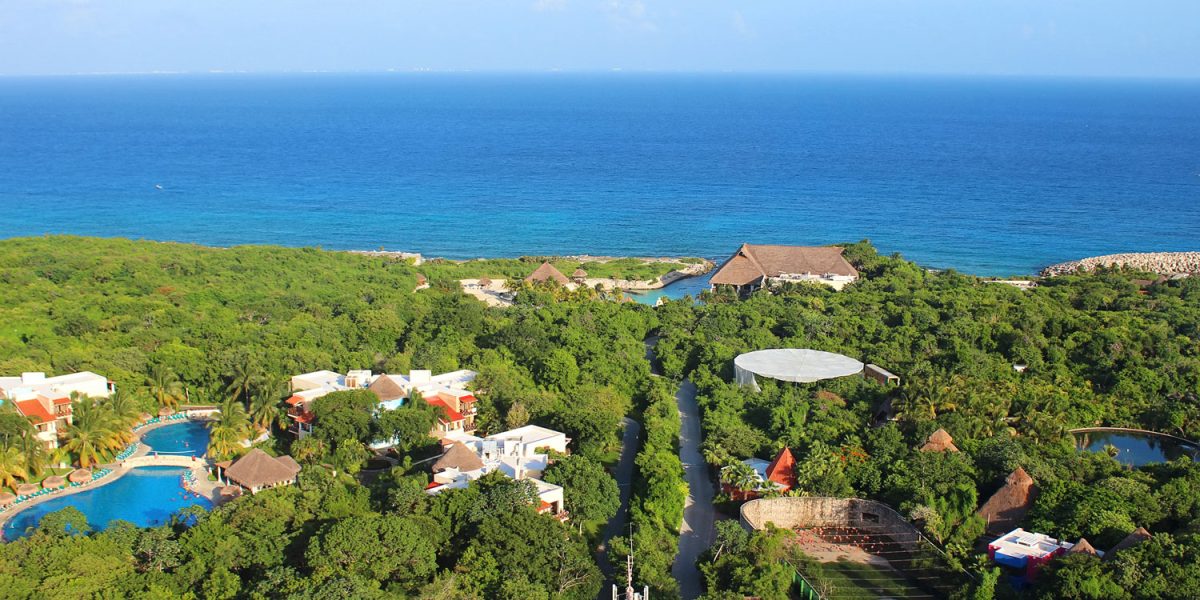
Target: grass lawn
47,472
846,579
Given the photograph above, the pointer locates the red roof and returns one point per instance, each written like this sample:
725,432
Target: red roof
782,470
61,400
467,398
35,410
294,400
543,506
304,417
433,484
452,415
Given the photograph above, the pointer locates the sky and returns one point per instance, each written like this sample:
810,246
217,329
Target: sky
1078,38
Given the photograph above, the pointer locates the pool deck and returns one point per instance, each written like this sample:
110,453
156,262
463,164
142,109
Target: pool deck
140,458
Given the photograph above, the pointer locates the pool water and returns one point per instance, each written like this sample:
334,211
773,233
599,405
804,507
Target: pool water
145,496
689,286
188,437
1137,449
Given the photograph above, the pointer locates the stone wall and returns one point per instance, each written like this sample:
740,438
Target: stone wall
804,512
1163,263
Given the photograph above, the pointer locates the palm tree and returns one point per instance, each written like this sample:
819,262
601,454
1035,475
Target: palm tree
263,410
739,475
12,466
124,408
228,430
34,451
245,375
165,387
91,435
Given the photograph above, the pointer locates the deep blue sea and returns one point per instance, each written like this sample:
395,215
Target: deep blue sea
989,176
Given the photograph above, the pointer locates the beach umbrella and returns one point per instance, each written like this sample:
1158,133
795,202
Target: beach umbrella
80,476
485,282
26,489
53,482
7,498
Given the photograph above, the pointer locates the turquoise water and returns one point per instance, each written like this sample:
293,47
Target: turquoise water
188,437
1137,449
691,286
145,496
993,176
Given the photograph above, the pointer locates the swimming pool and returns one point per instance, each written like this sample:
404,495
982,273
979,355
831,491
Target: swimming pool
188,437
1137,448
145,496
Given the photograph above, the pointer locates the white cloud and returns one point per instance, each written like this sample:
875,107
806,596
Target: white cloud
739,24
630,14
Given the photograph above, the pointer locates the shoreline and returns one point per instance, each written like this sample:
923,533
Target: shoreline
1161,263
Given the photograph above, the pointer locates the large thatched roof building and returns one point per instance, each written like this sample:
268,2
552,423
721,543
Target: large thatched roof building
755,266
258,470
547,272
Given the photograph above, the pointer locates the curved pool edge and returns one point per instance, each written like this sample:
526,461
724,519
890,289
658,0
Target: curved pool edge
1192,443
116,475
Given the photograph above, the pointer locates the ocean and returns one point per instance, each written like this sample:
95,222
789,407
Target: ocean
990,176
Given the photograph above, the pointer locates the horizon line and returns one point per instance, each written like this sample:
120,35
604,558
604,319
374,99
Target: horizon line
615,71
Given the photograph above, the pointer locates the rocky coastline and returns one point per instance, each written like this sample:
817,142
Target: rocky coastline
1163,263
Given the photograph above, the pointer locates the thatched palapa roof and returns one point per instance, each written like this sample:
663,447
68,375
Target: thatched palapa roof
80,476
1136,537
458,456
547,272
386,389
752,263
1009,504
1083,547
26,489
258,469
579,274
7,498
485,282
53,482
939,441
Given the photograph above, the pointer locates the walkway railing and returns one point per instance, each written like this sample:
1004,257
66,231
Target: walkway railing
173,460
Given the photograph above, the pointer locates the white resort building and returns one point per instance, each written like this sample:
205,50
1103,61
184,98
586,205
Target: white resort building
46,401
519,454
447,391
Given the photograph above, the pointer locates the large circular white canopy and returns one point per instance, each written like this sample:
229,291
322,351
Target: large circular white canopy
792,364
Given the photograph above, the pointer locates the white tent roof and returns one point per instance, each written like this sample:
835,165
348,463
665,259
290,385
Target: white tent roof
792,364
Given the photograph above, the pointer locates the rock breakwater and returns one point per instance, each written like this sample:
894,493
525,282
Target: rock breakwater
1163,263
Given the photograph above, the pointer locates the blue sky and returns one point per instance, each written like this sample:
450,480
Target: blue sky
1140,38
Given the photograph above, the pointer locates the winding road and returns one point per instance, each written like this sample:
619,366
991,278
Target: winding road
696,533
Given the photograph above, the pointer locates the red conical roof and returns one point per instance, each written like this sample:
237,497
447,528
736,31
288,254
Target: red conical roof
782,470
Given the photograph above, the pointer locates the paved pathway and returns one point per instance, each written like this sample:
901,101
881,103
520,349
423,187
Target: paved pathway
618,525
696,533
